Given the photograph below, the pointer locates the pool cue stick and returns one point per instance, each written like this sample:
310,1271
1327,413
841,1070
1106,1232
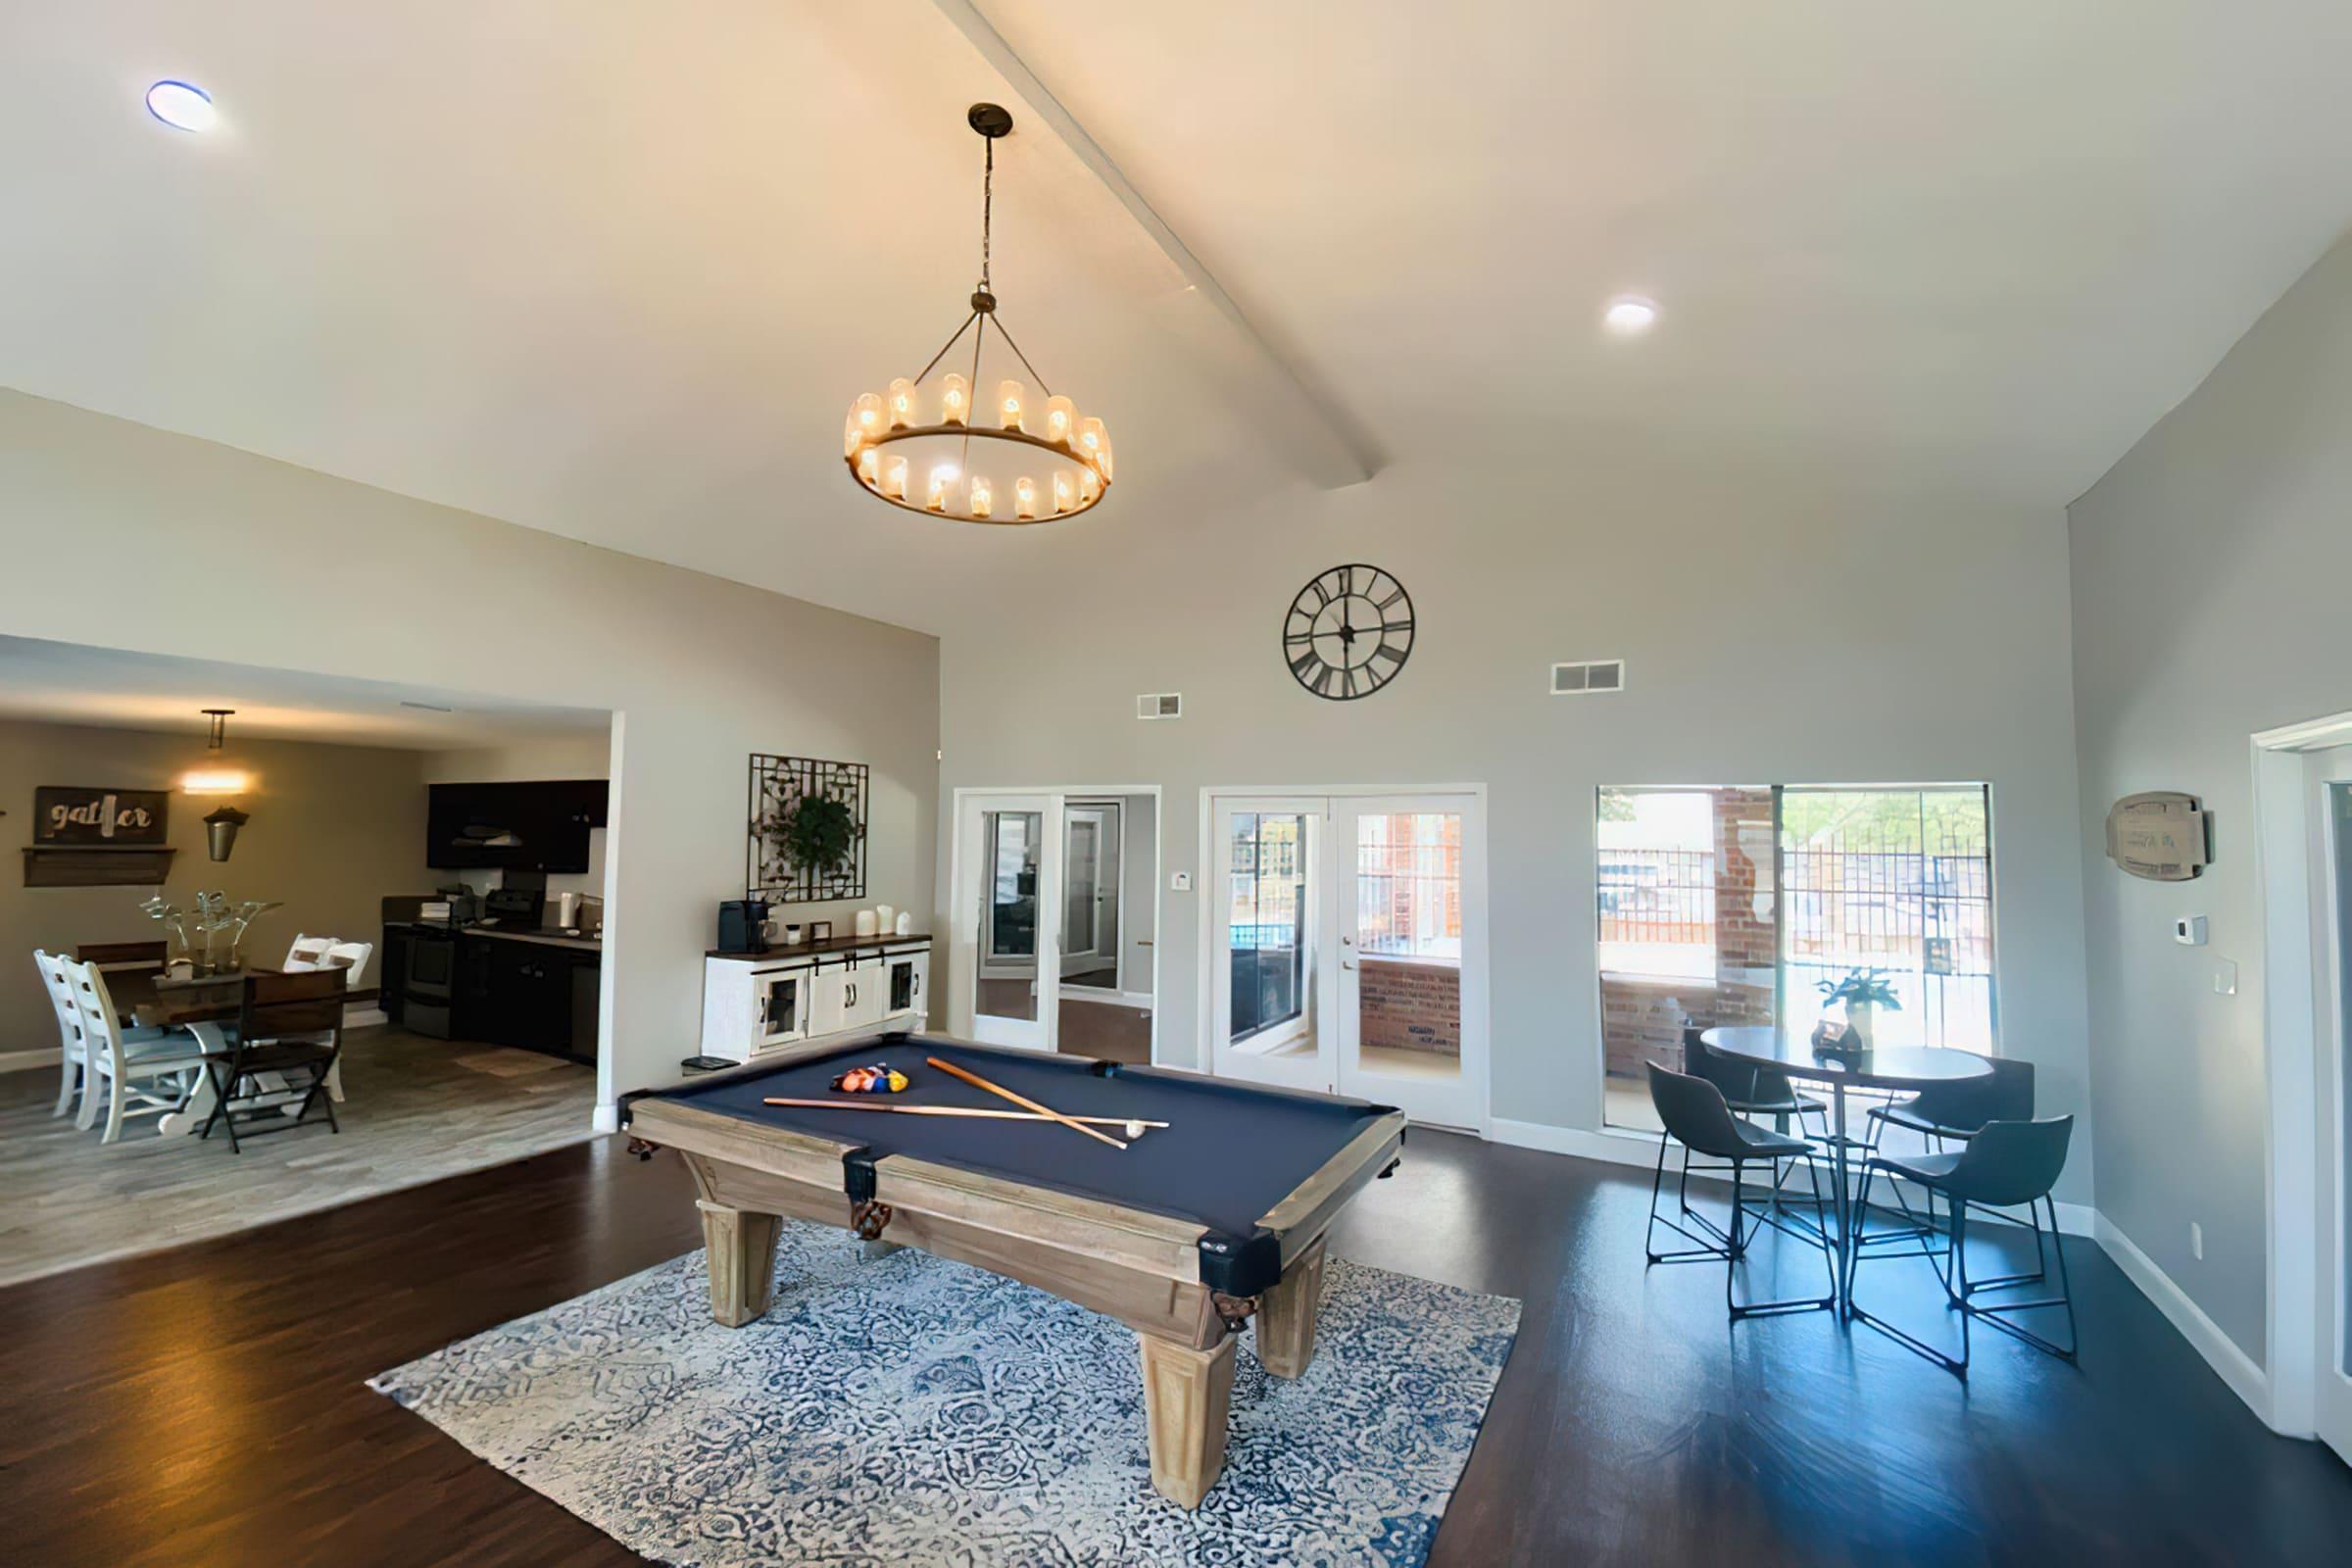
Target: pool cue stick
957,1110
978,1082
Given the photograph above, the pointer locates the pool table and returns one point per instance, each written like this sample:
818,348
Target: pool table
1187,1234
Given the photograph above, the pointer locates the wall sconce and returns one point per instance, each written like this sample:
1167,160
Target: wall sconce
221,831
213,781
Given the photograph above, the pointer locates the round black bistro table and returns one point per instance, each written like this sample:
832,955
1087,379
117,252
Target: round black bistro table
1785,1050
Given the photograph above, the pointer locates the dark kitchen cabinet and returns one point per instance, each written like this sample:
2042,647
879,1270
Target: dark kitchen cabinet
521,827
534,996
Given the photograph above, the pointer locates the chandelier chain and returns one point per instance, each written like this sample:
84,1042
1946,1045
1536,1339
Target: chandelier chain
988,202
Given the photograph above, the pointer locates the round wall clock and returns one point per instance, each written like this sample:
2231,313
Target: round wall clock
1348,632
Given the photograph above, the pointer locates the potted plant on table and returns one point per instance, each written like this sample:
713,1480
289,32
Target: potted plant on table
1864,991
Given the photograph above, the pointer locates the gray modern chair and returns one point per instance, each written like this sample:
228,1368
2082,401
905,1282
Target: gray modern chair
2006,1164
1695,1115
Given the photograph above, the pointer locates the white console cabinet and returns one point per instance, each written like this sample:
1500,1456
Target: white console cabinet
791,1001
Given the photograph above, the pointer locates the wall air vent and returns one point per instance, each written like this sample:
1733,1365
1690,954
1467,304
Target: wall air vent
1159,705
1588,678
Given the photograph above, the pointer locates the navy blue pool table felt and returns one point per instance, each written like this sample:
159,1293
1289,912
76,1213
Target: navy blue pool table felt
1229,1155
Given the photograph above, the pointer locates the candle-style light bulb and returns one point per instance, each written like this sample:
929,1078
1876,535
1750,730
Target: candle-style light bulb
1024,497
1090,486
1062,420
1011,404
1065,490
955,399
869,467
902,404
893,478
865,422
942,476
1093,444
984,496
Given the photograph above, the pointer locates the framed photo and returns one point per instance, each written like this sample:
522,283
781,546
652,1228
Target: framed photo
820,930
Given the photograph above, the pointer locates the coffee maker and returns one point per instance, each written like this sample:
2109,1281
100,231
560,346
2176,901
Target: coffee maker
743,925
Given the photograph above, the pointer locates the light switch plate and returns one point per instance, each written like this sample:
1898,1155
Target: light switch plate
2225,978
1180,882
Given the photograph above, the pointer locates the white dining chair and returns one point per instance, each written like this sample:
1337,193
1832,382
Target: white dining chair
307,953
131,1061
73,1055
353,959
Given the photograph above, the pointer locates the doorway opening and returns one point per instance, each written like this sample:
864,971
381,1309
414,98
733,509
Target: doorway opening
2303,821
1054,919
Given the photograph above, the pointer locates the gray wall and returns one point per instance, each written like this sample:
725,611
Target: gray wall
130,537
1780,627
334,829
2209,599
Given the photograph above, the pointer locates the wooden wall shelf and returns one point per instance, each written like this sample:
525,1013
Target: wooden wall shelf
80,866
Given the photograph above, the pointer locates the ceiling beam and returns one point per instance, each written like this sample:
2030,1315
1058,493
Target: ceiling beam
1317,430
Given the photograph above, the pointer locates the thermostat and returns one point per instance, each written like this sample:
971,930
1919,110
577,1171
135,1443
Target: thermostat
2189,930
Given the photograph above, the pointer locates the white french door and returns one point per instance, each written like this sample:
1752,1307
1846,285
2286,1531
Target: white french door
1347,947
1090,869
2330,775
1006,924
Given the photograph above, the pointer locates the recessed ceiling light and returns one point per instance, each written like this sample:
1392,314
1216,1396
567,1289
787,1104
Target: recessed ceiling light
184,106
1630,315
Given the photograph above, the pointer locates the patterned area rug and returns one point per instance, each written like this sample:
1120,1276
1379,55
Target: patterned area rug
907,1409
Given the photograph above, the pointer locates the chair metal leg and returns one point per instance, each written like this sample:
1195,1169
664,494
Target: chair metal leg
1994,1313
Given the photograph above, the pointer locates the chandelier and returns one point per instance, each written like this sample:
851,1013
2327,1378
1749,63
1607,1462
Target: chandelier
912,445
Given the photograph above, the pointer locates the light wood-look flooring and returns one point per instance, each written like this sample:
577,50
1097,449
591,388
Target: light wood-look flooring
416,1110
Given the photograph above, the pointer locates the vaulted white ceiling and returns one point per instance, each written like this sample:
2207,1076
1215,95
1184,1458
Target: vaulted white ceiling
615,269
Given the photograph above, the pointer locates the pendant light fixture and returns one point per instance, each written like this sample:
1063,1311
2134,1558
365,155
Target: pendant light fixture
912,445
213,779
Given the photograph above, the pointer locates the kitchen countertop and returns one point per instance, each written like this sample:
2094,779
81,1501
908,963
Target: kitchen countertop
544,938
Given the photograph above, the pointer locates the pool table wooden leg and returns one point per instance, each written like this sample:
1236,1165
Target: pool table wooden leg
742,1245
1186,1394
1286,1315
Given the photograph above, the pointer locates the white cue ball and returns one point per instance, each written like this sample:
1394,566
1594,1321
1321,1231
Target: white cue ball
1135,1129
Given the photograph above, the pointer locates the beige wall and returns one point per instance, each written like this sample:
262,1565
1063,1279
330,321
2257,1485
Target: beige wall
219,553
2209,571
334,829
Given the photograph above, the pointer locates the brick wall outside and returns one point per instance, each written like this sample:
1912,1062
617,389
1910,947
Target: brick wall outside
1409,1006
1642,1019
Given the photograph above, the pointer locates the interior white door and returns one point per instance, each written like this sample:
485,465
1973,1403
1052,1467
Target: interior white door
1090,890
1268,901
1007,923
1410,1018
2332,925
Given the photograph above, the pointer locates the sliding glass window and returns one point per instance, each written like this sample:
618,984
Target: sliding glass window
1728,904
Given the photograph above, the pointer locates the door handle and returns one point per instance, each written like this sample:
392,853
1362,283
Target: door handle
1346,964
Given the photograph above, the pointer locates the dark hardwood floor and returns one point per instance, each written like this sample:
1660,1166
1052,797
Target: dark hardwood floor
206,1405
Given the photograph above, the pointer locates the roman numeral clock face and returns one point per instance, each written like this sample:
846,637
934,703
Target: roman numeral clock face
1348,632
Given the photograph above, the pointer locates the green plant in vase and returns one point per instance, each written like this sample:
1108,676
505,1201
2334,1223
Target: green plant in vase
1864,991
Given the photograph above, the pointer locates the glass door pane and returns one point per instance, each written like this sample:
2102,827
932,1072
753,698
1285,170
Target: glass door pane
1009,855
1263,917
1405,931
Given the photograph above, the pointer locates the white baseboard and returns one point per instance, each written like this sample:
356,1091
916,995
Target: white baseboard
607,1120
27,1060
2230,1364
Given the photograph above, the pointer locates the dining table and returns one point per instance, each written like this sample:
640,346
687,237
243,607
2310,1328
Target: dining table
1840,1066
207,1005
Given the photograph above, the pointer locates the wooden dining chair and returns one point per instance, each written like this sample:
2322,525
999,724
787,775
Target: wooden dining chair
131,1063
73,1052
287,1024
